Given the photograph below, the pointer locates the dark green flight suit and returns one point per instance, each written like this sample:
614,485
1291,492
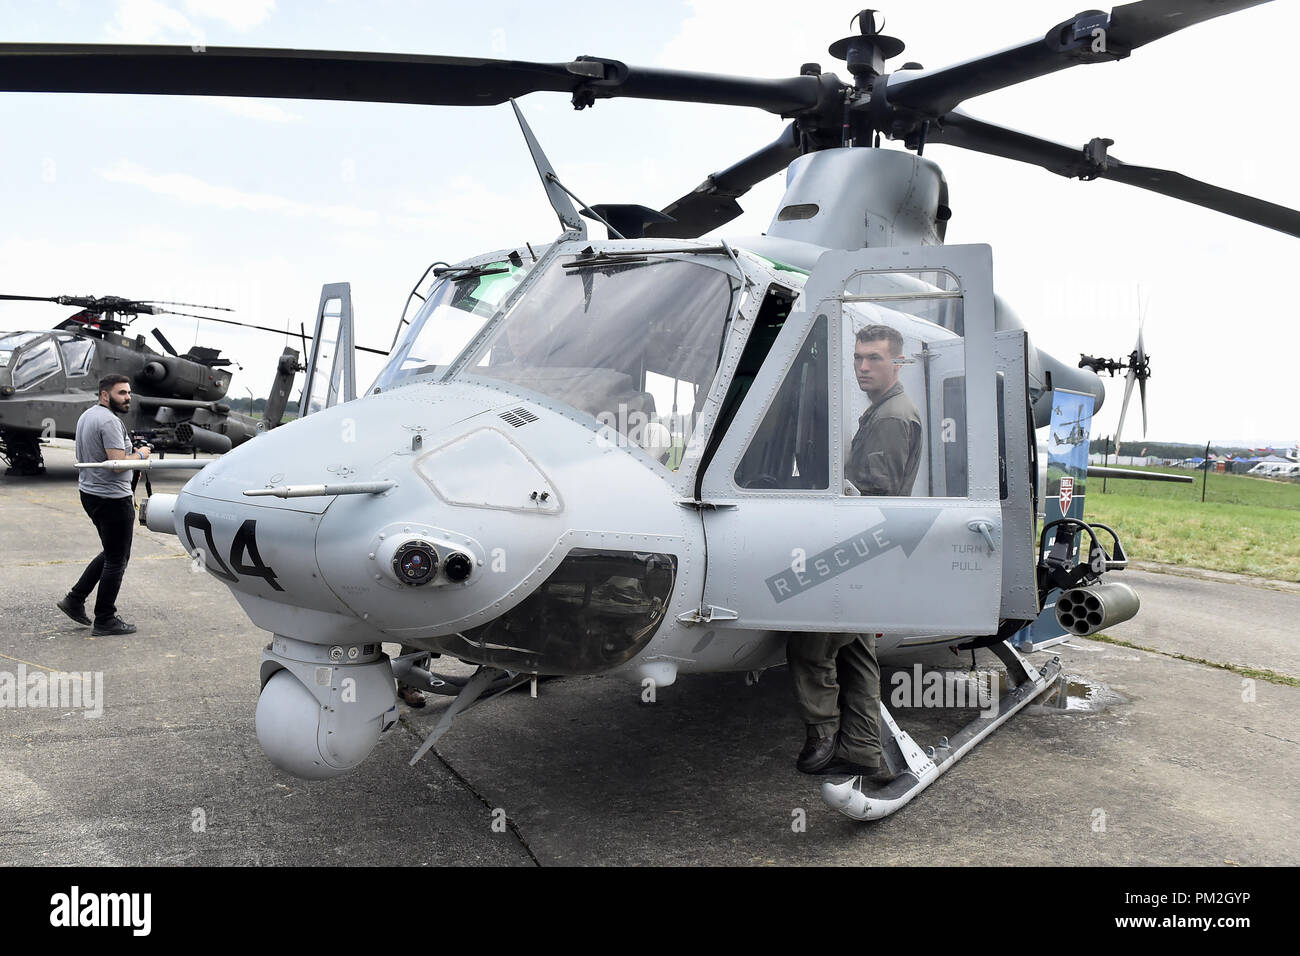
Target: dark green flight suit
886,451
836,676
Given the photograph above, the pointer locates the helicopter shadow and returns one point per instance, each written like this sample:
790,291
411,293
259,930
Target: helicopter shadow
590,773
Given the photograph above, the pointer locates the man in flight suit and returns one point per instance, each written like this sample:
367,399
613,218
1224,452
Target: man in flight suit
836,676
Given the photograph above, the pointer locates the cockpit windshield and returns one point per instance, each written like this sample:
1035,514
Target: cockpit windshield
455,309
12,342
635,344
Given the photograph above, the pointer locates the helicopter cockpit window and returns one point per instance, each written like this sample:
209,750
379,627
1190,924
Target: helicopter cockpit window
453,312
11,343
633,344
903,426
36,364
791,449
77,354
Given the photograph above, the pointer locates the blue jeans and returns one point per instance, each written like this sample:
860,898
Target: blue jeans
114,519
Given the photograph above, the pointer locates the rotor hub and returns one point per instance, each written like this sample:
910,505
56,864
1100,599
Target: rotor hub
865,53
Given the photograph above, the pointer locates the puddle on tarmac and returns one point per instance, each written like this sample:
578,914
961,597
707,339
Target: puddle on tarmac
1075,694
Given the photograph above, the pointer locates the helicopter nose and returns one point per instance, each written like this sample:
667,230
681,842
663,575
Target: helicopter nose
516,538
439,517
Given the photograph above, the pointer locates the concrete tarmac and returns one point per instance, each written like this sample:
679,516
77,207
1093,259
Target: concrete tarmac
1186,763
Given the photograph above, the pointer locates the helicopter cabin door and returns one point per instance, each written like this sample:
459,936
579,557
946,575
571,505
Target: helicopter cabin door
331,364
857,488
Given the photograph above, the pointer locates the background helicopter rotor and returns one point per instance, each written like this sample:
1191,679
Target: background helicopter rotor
131,308
116,306
112,303
1136,369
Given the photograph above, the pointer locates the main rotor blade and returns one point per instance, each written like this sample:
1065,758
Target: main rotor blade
27,298
962,129
1090,37
1136,24
713,203
371,77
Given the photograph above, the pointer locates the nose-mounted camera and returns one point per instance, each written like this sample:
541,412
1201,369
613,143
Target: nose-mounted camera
417,557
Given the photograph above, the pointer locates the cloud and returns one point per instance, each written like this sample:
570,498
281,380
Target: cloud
148,21
152,21
480,217
243,15
257,109
197,192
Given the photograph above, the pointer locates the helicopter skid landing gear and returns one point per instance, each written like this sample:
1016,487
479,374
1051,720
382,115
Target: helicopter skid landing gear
414,671
485,679
920,768
22,453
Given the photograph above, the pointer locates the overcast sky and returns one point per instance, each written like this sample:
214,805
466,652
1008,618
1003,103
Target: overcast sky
254,204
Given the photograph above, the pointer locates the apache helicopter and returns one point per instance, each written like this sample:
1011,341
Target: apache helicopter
627,455
48,378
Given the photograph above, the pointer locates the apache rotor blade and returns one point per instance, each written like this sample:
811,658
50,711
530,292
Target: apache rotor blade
962,129
162,340
153,310
372,77
713,202
188,305
1090,37
263,328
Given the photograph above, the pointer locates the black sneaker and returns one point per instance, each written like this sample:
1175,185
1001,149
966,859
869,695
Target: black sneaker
112,628
74,609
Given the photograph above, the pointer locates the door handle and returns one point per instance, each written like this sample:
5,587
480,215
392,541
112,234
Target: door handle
985,527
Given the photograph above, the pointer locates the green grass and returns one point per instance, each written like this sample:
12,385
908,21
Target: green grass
1246,525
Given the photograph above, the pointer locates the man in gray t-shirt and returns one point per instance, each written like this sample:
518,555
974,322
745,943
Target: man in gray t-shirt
106,498
98,430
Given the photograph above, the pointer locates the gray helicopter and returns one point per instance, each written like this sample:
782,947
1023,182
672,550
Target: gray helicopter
49,377
627,455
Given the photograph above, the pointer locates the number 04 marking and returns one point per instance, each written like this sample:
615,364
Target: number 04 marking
245,543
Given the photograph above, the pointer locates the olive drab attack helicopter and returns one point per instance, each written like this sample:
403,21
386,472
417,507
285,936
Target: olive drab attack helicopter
627,455
48,378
